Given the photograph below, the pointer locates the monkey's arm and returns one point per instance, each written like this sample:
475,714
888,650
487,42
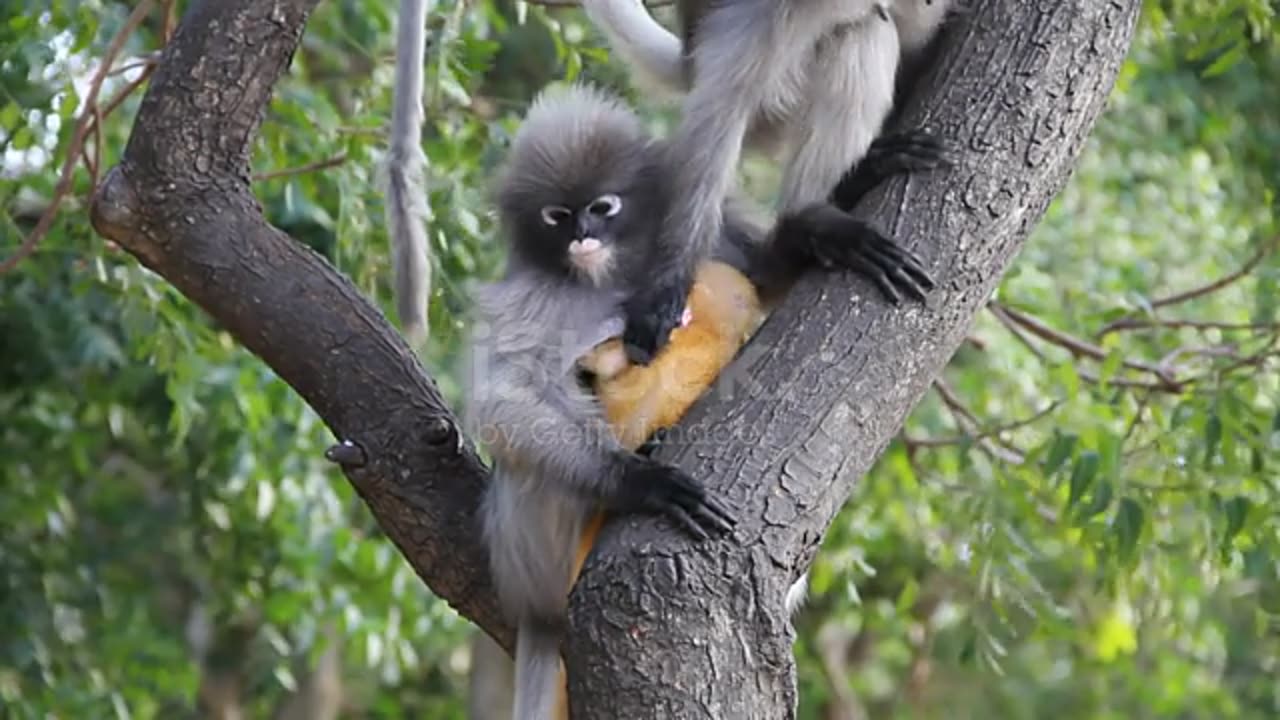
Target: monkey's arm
734,63
553,429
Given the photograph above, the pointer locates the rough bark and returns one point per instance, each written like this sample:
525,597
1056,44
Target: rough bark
666,627
180,202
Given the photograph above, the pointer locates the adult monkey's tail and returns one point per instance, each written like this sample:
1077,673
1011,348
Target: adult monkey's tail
539,674
404,175
653,51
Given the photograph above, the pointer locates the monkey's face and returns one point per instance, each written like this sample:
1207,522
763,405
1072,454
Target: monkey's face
588,235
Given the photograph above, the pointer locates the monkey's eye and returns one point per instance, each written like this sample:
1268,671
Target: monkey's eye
554,215
605,205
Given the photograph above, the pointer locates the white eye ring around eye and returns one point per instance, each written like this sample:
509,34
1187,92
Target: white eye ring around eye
606,205
554,215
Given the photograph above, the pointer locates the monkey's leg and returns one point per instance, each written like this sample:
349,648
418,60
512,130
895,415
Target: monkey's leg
735,65
848,96
889,155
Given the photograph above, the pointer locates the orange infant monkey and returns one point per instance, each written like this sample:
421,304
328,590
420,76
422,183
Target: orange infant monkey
722,312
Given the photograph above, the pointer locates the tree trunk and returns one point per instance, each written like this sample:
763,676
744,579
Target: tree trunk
667,628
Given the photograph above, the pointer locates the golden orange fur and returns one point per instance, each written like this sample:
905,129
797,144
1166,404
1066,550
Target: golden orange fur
638,400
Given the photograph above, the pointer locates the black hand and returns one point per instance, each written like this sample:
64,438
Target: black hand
649,486
889,155
651,315
654,441
826,236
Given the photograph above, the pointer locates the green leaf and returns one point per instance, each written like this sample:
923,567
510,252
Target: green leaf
1063,445
10,115
1127,525
1226,60
1236,511
1082,476
1103,493
1212,437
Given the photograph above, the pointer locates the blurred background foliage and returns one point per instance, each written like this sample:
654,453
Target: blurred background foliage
1079,520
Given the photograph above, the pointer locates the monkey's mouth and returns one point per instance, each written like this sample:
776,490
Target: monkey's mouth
585,248
591,257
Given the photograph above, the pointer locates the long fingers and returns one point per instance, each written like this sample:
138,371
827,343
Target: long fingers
857,247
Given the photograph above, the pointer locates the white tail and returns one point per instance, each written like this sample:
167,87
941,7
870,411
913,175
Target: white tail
404,175
537,672
653,51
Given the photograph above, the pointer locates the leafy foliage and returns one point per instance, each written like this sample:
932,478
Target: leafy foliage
1086,531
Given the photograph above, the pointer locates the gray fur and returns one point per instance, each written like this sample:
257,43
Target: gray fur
757,62
404,175
537,669
554,457
555,460
569,136
652,50
796,595
811,78
918,22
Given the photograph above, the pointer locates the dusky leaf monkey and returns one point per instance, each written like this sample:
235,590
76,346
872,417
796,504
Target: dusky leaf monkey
580,200
812,80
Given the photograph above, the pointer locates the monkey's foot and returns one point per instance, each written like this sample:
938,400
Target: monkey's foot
651,316
889,155
652,487
831,238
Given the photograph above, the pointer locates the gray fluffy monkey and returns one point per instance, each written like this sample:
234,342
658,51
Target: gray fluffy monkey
813,79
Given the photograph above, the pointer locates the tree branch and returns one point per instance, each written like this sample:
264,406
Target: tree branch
666,627
180,202
1018,85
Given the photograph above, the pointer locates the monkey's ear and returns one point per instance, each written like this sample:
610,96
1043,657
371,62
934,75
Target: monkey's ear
605,360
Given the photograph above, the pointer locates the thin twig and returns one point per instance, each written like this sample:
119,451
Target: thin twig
142,61
951,400
97,148
984,433
302,169
170,19
1202,325
1085,375
998,448
124,92
1016,331
1137,417
1221,282
1079,347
